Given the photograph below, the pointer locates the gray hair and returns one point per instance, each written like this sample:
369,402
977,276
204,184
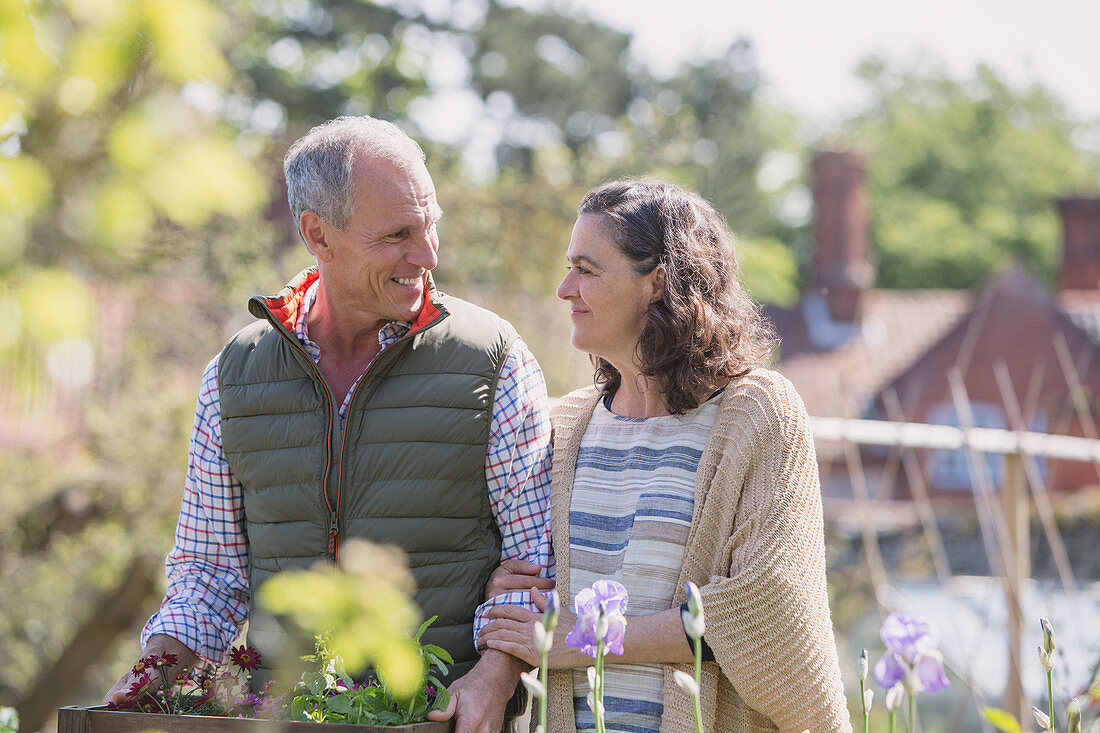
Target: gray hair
318,165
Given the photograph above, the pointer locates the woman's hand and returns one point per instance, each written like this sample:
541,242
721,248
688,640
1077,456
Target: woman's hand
512,630
516,574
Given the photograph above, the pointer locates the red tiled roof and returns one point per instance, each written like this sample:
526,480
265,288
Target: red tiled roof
897,327
1014,329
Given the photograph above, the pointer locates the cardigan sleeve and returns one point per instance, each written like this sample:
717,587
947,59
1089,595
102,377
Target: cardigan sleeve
768,620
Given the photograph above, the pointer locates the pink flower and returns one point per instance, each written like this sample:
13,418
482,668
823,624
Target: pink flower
245,657
143,665
166,660
143,686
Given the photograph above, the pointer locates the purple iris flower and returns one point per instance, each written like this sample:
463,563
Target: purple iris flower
911,657
612,597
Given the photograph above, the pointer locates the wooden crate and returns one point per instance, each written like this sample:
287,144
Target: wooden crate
102,720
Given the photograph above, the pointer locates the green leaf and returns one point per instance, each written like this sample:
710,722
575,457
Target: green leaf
418,711
389,717
437,662
439,652
423,627
339,704
362,714
1002,720
315,682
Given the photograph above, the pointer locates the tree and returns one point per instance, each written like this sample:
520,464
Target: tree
963,172
556,79
106,148
122,192
574,108
564,107
303,63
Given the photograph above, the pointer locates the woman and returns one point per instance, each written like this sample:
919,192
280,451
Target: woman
685,461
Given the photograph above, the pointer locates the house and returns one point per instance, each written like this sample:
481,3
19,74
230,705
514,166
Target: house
1009,354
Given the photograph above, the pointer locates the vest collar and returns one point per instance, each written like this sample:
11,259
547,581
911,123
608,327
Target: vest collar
282,308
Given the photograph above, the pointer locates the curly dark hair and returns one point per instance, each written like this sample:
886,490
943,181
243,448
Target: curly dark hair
705,328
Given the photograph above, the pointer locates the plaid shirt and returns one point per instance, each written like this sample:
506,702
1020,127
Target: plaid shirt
208,594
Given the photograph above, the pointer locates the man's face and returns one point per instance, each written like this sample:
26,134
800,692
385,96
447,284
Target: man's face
377,268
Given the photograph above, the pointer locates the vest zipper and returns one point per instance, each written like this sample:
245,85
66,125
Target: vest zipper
334,513
333,530
334,542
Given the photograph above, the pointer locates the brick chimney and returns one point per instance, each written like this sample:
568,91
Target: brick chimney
842,264
1081,251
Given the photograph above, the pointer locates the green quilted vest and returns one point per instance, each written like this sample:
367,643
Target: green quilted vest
409,470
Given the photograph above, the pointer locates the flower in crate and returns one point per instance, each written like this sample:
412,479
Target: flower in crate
246,658
588,632
364,612
911,657
159,687
142,666
141,687
166,661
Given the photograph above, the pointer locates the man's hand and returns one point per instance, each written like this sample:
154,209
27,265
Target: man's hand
516,574
158,645
478,699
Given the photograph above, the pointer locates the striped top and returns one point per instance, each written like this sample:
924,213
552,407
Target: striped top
629,518
757,552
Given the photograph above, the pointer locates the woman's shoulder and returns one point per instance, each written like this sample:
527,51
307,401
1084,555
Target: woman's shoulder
767,396
766,380
573,404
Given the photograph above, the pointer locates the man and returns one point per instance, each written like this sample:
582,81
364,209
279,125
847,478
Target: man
363,403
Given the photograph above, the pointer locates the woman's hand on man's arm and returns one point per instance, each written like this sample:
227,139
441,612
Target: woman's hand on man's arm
656,638
511,629
516,574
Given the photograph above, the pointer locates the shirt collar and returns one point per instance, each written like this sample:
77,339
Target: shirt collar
387,335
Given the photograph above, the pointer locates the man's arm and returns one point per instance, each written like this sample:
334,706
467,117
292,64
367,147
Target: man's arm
518,477
517,471
207,597
478,698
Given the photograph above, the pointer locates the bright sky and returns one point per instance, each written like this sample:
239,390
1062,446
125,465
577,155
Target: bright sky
807,49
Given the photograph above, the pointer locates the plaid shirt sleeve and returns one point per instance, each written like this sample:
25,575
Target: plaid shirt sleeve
207,598
517,469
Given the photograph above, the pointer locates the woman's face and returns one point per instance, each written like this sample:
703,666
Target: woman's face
608,297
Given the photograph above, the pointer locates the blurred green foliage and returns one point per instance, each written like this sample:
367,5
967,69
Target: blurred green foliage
574,109
103,152
964,173
365,612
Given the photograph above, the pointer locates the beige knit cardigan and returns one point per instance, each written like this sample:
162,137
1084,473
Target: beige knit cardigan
756,550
